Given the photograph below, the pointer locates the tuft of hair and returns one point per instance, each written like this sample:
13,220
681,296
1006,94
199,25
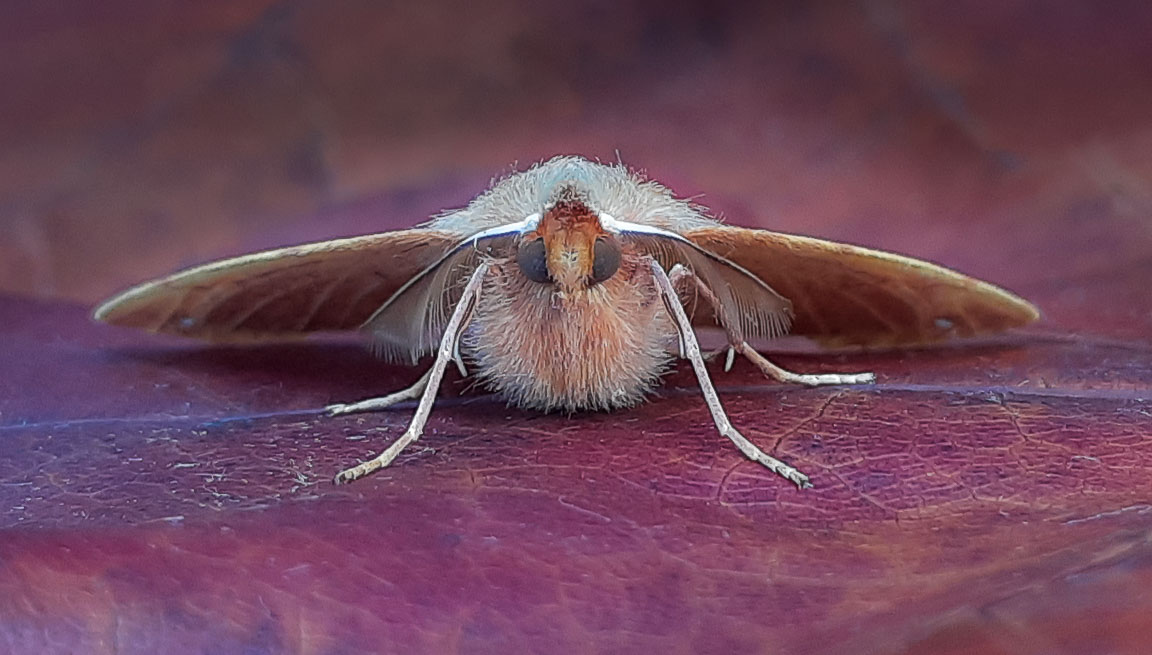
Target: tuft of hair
609,188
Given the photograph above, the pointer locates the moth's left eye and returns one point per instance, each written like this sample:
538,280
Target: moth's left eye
605,259
532,258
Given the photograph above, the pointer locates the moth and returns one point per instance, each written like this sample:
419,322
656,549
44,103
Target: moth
573,285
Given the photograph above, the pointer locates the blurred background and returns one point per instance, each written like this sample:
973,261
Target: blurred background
1011,140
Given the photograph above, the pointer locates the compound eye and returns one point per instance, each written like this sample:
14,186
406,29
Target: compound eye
532,259
605,259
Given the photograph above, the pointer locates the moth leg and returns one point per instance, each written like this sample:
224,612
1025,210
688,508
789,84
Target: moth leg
719,417
459,361
383,402
807,379
431,381
738,345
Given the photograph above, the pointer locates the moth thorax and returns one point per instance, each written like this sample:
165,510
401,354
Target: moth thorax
568,195
570,212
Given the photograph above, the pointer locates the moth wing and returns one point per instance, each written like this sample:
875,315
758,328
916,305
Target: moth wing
848,295
748,306
327,286
412,321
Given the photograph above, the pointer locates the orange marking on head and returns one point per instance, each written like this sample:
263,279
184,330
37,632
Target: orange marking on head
570,230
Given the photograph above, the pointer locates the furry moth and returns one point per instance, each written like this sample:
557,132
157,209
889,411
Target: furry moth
572,285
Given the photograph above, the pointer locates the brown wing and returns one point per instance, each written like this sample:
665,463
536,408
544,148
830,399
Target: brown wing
748,307
332,285
848,295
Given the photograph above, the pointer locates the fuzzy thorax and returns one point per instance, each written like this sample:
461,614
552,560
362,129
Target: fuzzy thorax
544,347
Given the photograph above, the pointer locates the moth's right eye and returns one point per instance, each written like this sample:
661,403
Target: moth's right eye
532,259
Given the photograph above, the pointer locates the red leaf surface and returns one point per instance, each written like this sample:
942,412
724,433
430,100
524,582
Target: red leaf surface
990,497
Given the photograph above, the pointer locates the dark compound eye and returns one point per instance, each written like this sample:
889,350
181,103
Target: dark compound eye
532,259
605,260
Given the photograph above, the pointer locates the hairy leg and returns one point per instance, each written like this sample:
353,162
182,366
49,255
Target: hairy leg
737,345
431,381
384,402
691,351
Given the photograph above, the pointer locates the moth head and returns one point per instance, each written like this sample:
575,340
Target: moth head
569,247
